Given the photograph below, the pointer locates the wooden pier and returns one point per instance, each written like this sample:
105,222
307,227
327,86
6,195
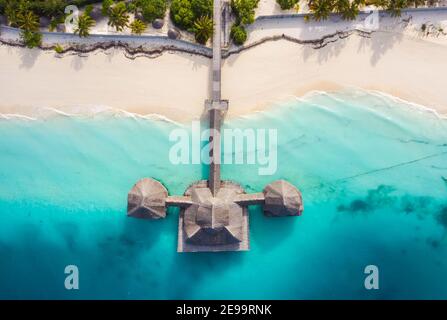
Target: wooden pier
213,213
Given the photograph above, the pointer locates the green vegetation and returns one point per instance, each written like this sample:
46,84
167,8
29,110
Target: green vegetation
31,39
244,10
58,48
149,9
194,16
118,16
138,26
238,34
348,10
321,9
85,23
45,8
20,15
287,4
55,21
182,14
203,29
106,5
395,7
27,20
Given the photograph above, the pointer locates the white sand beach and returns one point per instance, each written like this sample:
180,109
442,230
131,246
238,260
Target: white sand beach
396,60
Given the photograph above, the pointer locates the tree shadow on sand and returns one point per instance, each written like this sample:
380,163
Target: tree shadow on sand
29,57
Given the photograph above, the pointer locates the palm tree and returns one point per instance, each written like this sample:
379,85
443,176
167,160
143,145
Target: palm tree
118,16
84,24
203,29
348,10
321,9
395,7
28,21
138,26
417,3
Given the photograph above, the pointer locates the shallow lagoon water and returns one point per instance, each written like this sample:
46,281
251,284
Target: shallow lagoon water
372,170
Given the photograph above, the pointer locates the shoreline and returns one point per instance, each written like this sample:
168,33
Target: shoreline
394,60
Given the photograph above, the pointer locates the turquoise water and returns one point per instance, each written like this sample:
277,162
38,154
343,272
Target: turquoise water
371,170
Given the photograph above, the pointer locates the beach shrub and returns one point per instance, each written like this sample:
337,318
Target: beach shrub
49,8
31,39
118,16
287,4
138,26
153,9
194,16
202,8
395,7
203,29
58,48
13,9
2,6
182,14
244,11
28,21
417,3
238,34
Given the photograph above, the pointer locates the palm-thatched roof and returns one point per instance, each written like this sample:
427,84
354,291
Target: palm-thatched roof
44,22
147,200
158,23
173,33
282,199
213,220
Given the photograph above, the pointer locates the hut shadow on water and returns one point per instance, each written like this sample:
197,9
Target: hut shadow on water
266,233
192,271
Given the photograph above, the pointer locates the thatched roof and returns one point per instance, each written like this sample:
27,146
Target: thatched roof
158,23
96,13
173,33
147,200
282,199
139,16
44,22
60,27
213,220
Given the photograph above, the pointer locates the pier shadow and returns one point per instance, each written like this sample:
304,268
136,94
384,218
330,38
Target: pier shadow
199,269
78,61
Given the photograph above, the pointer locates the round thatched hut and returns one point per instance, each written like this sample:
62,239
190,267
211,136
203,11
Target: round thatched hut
147,200
44,22
173,33
60,27
96,14
158,23
213,220
282,199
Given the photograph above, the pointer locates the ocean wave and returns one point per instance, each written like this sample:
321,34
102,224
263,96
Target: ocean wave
89,112
346,95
